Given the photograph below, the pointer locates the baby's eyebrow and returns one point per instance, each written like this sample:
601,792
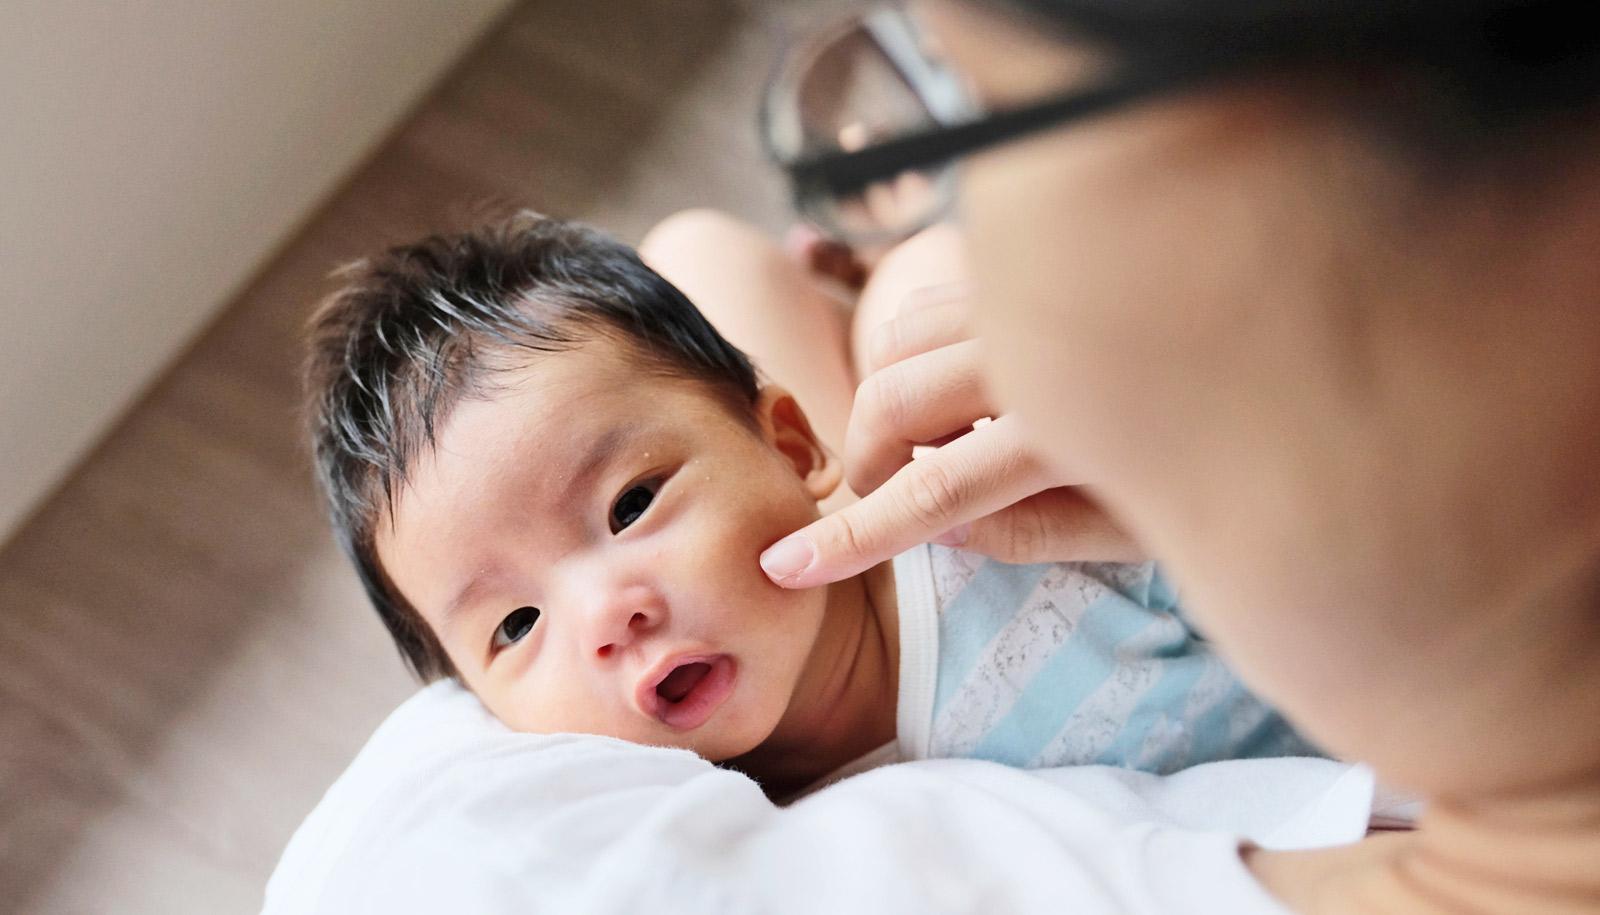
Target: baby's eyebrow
464,598
602,451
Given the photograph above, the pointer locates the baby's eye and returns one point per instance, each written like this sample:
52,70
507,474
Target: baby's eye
517,624
632,503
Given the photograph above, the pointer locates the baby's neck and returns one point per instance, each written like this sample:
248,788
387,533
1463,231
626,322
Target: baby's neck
844,705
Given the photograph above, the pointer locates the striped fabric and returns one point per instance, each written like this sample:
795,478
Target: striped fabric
1065,664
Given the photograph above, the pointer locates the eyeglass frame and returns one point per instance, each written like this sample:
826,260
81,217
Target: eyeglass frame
832,174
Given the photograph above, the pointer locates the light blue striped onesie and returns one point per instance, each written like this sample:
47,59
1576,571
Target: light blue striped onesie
1065,664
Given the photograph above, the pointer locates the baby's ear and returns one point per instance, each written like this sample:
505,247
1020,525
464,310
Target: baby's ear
789,432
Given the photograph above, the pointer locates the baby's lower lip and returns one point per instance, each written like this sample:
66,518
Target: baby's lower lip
700,703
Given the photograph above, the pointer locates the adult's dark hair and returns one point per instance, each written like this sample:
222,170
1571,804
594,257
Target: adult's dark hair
1442,73
418,328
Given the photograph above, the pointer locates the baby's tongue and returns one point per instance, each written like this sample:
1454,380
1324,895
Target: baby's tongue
682,680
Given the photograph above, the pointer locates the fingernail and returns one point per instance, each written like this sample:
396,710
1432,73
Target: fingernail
955,536
788,557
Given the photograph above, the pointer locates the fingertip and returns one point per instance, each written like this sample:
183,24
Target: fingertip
785,561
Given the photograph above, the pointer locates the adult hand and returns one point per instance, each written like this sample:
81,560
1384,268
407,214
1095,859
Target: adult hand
982,489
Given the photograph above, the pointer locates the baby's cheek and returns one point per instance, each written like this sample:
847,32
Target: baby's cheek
530,706
755,516
550,708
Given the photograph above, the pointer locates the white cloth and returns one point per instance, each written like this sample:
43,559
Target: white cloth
446,810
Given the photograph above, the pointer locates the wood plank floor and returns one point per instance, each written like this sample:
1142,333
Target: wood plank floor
185,661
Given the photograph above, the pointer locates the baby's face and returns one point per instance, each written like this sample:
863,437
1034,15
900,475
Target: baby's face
584,543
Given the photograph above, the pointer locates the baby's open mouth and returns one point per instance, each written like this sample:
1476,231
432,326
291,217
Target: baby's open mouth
691,691
683,679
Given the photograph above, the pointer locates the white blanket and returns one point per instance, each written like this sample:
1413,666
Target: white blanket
446,810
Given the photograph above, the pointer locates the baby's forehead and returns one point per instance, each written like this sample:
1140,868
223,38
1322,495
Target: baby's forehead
544,423
554,437
606,378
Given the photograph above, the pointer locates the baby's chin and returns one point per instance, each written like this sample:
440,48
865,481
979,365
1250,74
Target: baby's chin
719,741
722,747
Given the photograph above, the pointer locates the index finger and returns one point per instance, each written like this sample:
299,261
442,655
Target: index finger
971,477
922,399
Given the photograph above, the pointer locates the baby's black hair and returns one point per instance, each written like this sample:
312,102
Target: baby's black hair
421,326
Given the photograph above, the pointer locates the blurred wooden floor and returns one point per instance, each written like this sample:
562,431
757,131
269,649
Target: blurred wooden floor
185,661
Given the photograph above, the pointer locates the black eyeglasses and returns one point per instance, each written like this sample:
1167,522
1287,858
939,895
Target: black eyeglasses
867,119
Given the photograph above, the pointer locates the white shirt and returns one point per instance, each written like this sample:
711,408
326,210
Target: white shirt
446,810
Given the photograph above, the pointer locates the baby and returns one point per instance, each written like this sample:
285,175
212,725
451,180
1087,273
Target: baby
554,477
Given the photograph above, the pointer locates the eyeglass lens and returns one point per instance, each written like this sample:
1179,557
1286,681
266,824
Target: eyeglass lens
873,80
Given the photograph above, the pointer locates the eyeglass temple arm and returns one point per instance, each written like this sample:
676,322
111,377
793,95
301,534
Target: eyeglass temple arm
838,173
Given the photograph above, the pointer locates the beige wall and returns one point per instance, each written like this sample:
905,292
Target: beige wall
152,152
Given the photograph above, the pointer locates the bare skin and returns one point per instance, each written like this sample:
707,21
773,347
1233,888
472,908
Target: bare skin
1353,414
769,303
503,528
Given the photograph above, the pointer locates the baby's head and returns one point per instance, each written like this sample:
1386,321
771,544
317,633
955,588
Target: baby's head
555,478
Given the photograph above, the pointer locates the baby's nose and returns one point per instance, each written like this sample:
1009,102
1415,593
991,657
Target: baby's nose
637,623
624,616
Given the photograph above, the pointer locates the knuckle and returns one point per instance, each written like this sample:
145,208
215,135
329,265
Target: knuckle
1019,462
885,399
1026,534
848,536
933,494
